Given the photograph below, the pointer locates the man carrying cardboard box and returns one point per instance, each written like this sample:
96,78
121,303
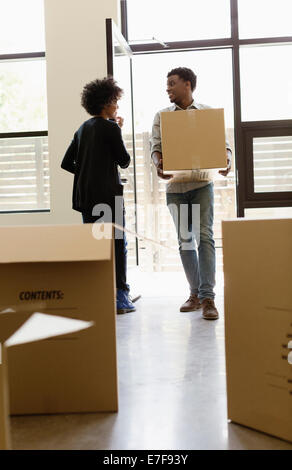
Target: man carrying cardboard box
196,189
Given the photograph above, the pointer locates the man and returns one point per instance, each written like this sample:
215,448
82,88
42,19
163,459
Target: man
199,266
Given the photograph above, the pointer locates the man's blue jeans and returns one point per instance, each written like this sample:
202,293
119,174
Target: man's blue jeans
196,242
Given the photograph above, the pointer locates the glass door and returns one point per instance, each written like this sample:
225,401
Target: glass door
119,65
150,76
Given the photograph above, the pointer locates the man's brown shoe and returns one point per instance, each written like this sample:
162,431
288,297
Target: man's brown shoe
193,303
210,312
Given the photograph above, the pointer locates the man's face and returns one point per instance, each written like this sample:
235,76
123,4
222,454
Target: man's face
177,89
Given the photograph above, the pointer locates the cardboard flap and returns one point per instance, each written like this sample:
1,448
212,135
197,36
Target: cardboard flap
54,243
42,326
10,322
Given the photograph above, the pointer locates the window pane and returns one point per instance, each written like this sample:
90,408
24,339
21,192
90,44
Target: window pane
272,159
22,26
154,220
23,96
266,83
170,20
123,76
264,18
24,174
268,213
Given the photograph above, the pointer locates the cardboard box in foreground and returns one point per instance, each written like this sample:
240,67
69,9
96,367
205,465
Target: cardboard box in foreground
21,328
61,270
258,323
193,139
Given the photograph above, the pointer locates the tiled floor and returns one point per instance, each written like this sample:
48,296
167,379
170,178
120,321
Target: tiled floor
171,384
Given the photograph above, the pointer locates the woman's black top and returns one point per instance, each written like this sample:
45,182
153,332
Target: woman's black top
93,156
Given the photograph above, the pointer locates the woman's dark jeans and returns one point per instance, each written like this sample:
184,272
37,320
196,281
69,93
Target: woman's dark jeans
120,247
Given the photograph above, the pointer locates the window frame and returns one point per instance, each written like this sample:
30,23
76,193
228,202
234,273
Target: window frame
257,129
245,198
11,135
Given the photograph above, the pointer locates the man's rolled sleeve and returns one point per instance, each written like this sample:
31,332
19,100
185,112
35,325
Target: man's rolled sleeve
156,135
228,147
229,155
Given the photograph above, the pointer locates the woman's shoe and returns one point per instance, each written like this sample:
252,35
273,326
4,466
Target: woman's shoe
124,304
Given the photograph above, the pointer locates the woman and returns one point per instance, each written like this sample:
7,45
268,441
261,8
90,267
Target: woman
94,155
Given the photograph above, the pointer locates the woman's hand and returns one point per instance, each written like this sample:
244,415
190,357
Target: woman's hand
120,121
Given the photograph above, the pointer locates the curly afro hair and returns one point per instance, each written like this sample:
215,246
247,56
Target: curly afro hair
99,93
185,74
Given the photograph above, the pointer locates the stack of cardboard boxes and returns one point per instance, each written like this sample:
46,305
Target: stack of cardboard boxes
60,270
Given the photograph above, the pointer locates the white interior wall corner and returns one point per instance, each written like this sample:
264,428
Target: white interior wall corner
76,54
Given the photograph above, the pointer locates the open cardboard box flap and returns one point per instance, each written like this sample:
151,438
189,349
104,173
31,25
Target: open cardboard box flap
10,322
52,243
24,327
66,271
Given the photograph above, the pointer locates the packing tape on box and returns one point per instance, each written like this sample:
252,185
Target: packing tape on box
201,174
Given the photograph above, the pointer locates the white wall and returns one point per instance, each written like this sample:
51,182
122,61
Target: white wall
76,54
